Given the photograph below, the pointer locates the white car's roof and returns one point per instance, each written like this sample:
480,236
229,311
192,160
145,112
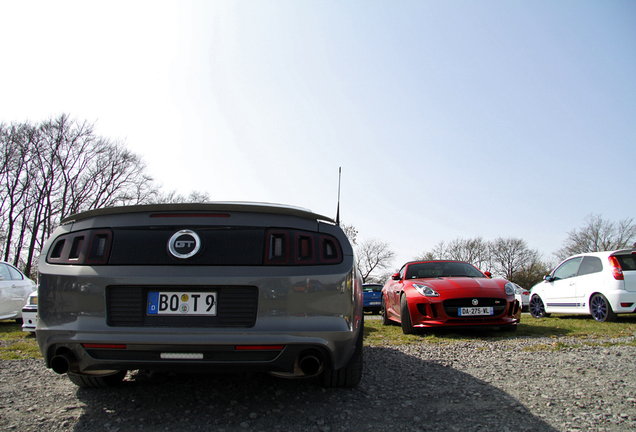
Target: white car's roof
606,253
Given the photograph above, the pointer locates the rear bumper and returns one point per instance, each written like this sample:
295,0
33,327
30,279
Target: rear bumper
617,297
175,350
29,319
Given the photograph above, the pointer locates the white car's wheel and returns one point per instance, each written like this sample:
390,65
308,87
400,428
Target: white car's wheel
600,309
537,309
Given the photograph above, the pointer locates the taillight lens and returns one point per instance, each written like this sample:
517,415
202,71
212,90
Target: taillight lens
90,247
617,271
295,247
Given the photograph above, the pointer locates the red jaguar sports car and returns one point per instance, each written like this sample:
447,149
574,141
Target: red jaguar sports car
429,294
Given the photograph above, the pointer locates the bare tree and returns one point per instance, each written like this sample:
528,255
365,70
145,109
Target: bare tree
373,256
475,251
509,256
173,197
532,272
59,167
351,232
598,235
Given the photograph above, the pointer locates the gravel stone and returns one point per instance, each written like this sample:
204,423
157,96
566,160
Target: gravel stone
516,384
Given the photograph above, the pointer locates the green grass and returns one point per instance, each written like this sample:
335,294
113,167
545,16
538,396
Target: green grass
576,326
16,344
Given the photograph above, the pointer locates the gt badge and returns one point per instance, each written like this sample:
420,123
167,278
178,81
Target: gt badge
184,244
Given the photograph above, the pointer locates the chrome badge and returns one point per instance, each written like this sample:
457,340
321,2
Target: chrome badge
475,302
184,244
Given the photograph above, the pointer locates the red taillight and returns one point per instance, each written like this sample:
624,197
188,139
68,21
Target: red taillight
295,247
617,271
259,347
189,215
104,346
81,248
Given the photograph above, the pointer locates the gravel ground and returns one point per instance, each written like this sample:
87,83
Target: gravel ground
461,386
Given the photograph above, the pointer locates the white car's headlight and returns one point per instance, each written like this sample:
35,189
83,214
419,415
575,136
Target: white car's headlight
426,290
510,288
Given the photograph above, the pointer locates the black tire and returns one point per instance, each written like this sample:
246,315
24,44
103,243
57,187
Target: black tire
537,309
508,328
348,376
19,321
405,316
97,381
385,318
601,310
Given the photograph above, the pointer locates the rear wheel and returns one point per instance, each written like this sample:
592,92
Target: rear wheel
97,381
348,376
601,310
405,316
537,309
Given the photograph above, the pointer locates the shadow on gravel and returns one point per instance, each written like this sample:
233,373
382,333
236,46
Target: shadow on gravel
398,392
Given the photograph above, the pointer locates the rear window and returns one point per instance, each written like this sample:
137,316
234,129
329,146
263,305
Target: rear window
370,288
627,262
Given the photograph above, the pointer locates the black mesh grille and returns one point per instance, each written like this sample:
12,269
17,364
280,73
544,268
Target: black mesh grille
451,307
219,246
126,307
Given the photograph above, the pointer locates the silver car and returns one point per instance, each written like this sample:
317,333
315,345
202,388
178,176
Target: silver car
200,288
15,288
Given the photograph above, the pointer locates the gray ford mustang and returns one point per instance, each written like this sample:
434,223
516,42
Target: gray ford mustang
200,287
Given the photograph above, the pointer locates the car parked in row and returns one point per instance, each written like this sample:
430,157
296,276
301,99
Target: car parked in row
372,297
15,288
601,284
433,294
523,296
200,287
30,313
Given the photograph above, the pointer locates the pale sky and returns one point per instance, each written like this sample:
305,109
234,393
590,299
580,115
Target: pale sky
450,119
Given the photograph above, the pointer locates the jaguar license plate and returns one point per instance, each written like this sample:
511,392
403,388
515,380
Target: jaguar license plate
475,311
181,303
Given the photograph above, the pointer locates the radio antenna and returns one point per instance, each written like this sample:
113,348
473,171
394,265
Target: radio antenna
338,208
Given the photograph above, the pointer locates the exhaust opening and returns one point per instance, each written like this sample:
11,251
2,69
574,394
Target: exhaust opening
310,363
65,362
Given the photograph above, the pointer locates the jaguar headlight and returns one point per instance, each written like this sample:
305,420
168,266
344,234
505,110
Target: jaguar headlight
510,288
425,290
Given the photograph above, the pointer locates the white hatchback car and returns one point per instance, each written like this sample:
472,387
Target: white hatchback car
601,284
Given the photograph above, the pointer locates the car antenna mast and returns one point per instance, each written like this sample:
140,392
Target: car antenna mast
338,207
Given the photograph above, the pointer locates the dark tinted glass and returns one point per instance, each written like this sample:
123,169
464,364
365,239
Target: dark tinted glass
627,262
442,269
590,265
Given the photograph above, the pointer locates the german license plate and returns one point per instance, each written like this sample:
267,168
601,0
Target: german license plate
181,303
472,311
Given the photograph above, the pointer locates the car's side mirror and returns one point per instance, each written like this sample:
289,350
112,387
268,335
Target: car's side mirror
548,278
396,276
488,274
